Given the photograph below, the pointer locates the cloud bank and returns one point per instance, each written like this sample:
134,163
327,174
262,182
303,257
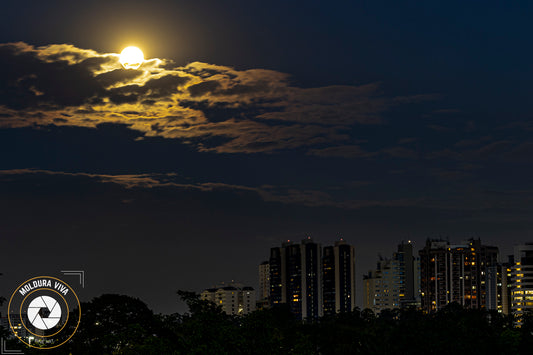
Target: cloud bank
214,108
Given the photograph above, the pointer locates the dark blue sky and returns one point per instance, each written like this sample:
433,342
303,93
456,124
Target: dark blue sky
377,121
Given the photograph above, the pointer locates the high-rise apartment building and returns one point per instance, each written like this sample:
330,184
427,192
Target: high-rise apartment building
498,287
263,296
522,281
394,283
409,275
264,280
233,298
455,273
381,289
296,277
278,274
338,266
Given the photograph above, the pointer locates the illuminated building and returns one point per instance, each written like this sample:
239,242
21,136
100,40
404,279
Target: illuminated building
296,277
277,265
498,287
17,328
233,299
522,281
263,297
338,265
394,283
379,292
409,275
4,325
455,273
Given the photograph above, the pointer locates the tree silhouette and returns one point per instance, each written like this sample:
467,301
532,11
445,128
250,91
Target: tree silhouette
207,329
118,324
3,331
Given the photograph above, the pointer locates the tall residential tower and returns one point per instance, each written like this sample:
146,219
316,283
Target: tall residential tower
522,281
455,273
263,296
394,283
338,265
296,277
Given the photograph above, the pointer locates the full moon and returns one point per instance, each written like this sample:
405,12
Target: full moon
131,58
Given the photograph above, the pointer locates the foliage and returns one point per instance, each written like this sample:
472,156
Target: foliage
115,324
3,332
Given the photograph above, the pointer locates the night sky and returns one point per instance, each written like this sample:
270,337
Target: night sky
251,123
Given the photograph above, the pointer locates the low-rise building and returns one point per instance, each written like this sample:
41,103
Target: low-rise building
234,299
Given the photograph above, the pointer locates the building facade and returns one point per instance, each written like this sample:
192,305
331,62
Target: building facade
234,299
381,290
395,282
455,273
522,281
263,296
296,277
498,288
338,279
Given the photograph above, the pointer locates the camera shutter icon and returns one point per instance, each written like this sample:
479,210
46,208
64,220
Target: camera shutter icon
44,312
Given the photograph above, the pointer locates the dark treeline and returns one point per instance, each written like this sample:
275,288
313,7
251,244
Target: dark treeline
117,324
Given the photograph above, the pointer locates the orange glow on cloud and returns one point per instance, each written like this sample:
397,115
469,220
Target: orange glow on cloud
61,84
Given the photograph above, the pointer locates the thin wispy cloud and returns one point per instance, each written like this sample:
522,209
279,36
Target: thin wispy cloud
268,193
479,200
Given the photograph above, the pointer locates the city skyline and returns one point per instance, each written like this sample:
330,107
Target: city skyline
398,282
252,124
315,281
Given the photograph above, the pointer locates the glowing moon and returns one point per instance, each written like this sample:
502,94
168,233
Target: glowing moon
131,58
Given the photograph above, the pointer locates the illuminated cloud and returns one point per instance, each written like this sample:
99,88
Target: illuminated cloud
474,201
215,108
127,181
268,193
